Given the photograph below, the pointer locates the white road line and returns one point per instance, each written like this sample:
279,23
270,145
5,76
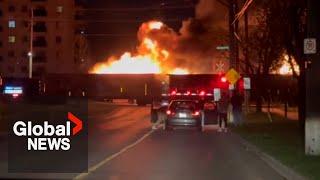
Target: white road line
106,160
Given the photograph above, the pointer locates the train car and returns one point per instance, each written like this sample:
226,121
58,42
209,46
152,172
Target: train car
142,88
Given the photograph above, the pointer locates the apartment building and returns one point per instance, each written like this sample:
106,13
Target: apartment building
53,32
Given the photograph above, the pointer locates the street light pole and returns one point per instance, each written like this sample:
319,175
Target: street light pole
30,54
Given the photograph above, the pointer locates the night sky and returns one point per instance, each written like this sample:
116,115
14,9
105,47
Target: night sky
113,30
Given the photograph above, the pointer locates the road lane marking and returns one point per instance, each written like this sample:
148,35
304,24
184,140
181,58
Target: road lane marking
109,158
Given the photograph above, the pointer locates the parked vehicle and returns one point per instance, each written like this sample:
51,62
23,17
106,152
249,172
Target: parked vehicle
183,113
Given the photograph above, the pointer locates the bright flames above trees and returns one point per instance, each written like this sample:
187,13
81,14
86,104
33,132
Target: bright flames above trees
150,58
286,67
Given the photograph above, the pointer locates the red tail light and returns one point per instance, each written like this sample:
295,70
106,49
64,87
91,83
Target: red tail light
202,93
168,112
223,79
196,113
173,93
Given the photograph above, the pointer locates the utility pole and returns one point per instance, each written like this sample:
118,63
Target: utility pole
312,126
232,5
30,54
233,30
246,34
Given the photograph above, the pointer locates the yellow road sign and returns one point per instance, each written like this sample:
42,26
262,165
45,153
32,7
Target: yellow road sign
232,76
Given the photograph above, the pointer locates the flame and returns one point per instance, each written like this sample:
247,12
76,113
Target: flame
150,57
155,25
130,65
180,71
286,68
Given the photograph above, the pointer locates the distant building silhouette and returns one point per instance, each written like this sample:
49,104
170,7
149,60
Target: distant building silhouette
53,38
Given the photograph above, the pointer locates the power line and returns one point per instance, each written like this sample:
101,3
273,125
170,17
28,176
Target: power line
243,10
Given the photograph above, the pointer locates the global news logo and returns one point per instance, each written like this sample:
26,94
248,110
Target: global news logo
46,136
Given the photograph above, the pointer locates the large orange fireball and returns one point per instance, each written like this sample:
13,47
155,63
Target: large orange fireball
150,58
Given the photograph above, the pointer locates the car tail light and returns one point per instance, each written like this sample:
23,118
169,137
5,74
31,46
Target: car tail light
173,93
202,93
168,112
196,113
223,79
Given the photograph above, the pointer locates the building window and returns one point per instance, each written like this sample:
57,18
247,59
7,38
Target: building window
11,8
40,11
58,39
40,41
39,59
12,39
24,8
1,58
0,12
1,29
40,27
12,24
59,9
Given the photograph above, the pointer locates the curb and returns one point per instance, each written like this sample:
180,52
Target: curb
283,170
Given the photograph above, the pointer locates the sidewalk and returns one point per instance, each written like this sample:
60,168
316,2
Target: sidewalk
291,115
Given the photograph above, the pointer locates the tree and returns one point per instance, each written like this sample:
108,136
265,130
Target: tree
295,27
283,23
264,44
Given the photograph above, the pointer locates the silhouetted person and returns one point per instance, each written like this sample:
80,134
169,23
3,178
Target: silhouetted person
222,106
236,101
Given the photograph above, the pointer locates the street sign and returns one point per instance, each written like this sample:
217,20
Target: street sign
222,48
310,46
220,67
217,94
232,76
246,83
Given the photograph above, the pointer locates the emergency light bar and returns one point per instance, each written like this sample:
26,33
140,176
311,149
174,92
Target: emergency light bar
188,93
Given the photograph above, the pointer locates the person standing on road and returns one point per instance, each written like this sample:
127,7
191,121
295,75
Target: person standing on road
222,107
236,101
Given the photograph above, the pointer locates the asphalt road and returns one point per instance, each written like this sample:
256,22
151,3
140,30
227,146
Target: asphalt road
178,154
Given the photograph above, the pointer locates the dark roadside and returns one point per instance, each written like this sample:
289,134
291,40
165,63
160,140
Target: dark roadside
281,140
